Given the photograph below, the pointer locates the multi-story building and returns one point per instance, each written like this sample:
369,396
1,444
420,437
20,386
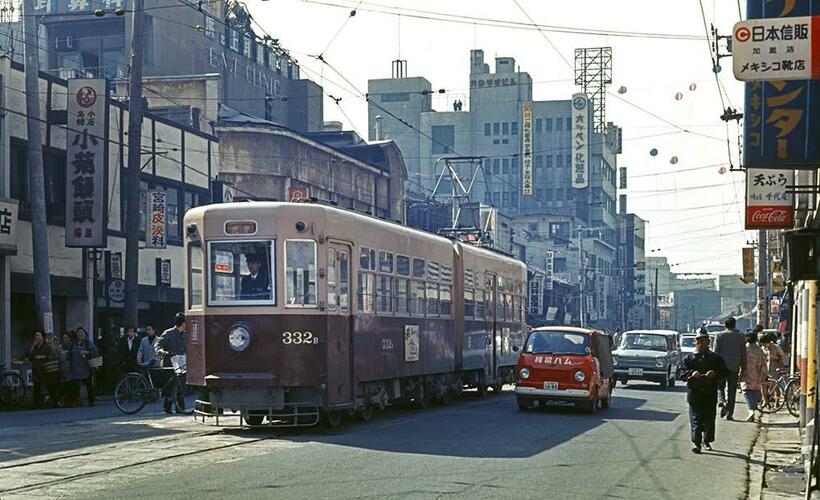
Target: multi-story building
257,76
490,127
634,312
681,302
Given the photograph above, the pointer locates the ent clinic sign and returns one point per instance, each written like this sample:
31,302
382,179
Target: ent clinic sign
783,48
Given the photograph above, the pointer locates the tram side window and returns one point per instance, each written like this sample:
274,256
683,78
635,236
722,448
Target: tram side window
480,309
195,275
241,271
469,293
418,298
432,299
366,292
445,290
332,286
300,273
403,292
344,281
385,293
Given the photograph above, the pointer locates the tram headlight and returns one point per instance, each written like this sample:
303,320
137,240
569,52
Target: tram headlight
239,338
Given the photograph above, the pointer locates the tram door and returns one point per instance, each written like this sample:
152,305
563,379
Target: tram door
490,358
339,329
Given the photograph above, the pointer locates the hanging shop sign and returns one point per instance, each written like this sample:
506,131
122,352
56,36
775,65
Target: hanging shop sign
748,265
9,211
781,118
780,48
156,220
580,141
537,294
526,148
549,263
768,203
86,164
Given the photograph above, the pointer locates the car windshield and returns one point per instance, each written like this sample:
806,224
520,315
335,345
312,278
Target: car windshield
687,342
644,342
556,342
714,328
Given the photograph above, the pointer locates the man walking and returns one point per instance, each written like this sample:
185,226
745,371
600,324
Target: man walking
171,343
128,350
731,346
701,370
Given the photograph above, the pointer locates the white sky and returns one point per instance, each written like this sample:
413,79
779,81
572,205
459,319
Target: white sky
653,71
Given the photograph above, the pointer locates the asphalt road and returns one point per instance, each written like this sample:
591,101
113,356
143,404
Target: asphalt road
482,448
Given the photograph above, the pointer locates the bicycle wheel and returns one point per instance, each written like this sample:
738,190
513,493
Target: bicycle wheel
131,393
184,397
793,397
773,396
12,390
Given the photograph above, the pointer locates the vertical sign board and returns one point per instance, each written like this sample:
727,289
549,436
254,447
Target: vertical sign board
781,117
768,204
549,269
537,294
748,265
580,141
155,220
86,164
9,211
526,148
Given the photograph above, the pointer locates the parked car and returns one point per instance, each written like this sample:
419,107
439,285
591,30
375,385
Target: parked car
565,364
651,355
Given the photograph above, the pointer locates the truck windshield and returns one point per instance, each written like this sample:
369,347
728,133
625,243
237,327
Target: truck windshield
554,342
241,272
687,342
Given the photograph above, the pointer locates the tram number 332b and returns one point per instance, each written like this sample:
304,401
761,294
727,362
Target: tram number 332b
297,338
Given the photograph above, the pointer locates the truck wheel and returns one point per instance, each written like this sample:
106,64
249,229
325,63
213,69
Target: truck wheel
366,412
664,383
333,419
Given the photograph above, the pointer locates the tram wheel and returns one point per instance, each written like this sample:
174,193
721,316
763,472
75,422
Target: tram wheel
366,413
482,390
424,399
498,387
333,418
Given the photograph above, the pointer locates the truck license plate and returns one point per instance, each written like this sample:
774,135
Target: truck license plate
636,371
551,386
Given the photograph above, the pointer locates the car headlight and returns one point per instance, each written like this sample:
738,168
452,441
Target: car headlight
239,338
614,360
580,376
660,362
524,373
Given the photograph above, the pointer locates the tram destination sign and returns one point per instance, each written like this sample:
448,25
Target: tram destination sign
783,48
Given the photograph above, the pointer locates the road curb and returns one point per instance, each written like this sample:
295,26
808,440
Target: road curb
756,469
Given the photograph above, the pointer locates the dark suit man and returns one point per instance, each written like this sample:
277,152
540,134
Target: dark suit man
701,370
255,286
129,346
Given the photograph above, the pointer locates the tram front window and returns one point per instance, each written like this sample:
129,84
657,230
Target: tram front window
241,272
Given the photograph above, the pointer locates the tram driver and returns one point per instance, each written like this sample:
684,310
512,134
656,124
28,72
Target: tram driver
256,285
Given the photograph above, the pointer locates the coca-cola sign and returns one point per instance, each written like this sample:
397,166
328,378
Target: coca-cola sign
769,205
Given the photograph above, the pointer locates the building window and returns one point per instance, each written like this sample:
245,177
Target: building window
505,199
568,161
548,196
505,166
559,194
496,128
548,124
532,227
515,199
514,128
210,27
539,194
505,141
569,123
496,141
538,125
505,128
235,40
559,123
395,97
560,160
548,161
487,129
539,161
260,54
443,138
514,164
496,165
497,199
247,45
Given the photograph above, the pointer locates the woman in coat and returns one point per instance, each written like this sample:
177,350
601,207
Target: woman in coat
754,375
38,354
80,351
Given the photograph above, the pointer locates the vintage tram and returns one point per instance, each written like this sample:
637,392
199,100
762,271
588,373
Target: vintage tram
301,310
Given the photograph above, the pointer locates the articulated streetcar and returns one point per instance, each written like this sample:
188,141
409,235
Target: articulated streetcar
297,311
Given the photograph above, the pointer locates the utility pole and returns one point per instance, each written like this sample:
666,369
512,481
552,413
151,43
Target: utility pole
132,178
37,189
763,278
581,275
655,302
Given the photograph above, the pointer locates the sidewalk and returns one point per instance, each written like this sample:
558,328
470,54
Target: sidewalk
776,465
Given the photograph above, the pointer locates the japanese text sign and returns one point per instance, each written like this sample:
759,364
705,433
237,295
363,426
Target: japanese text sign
549,269
748,265
9,211
41,7
537,294
580,141
781,115
156,219
526,148
780,48
86,164
768,204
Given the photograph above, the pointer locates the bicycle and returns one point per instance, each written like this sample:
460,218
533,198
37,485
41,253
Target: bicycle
12,388
136,389
773,397
792,395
